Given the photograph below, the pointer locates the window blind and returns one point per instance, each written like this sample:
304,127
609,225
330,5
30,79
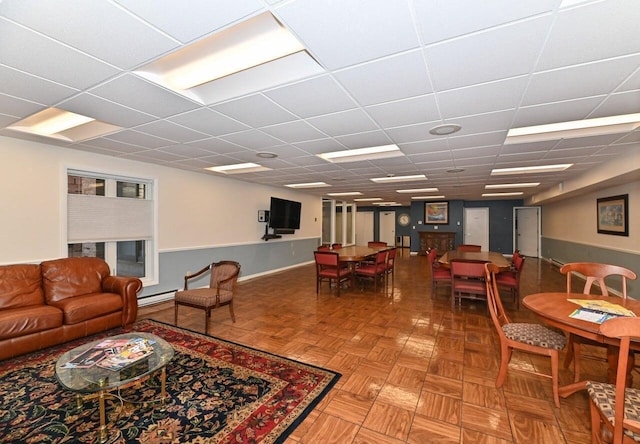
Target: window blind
102,219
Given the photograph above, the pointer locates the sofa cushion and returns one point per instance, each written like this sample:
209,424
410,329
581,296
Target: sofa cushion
89,306
74,276
20,286
16,322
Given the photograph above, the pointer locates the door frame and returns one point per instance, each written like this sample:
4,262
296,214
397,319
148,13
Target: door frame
515,229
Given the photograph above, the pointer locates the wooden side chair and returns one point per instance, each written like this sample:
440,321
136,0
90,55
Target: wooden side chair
593,273
467,281
390,266
375,271
616,408
510,279
222,282
376,244
525,337
329,267
438,273
469,247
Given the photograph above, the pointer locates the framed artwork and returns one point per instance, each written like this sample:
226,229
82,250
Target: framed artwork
436,213
613,215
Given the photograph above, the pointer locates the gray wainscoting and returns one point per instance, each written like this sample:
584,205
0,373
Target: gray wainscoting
255,259
563,251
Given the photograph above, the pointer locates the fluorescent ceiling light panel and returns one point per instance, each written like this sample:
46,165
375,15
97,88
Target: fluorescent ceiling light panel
515,193
388,204
349,193
427,197
255,54
511,185
368,199
238,168
418,190
391,179
63,125
531,169
308,185
577,128
370,153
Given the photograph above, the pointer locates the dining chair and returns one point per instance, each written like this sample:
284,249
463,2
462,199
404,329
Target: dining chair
469,247
593,273
525,337
376,244
329,267
510,279
375,271
222,282
620,418
390,266
467,281
324,248
336,246
438,272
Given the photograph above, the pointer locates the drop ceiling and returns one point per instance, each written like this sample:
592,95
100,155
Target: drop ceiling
390,71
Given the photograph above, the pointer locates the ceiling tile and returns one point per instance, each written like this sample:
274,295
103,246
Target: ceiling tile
346,122
391,78
405,112
478,99
293,132
99,29
171,131
492,55
453,19
32,88
186,22
325,25
36,54
313,97
255,111
252,139
136,93
208,121
104,110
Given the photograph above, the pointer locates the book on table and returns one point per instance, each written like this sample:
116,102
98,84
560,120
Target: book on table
113,354
598,311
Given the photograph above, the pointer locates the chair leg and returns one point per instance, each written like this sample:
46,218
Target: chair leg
233,316
505,357
175,313
207,318
555,358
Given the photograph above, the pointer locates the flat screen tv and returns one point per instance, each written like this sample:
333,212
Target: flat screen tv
284,213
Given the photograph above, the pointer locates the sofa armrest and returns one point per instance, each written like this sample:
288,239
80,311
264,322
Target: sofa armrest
128,288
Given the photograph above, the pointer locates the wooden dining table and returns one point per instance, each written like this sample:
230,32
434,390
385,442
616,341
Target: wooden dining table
357,253
554,309
488,256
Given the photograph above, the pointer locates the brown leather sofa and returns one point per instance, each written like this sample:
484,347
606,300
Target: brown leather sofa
60,300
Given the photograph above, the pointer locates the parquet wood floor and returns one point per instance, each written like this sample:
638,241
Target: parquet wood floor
412,371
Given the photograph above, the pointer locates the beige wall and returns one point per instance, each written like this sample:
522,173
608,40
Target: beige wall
574,220
194,210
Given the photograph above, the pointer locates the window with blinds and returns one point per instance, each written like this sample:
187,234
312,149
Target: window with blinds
111,218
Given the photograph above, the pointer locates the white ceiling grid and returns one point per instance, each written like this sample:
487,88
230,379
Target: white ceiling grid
391,70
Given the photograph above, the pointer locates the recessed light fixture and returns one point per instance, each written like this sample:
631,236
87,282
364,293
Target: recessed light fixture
514,193
512,185
63,125
388,204
267,155
455,170
418,190
427,197
368,199
255,54
347,193
391,178
531,169
445,130
238,168
577,128
308,185
370,153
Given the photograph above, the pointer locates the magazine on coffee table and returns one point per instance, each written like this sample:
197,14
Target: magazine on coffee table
135,350
113,354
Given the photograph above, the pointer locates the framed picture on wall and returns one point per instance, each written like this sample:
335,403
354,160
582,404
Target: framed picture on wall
613,215
436,213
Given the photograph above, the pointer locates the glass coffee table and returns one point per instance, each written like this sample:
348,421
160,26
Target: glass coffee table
94,369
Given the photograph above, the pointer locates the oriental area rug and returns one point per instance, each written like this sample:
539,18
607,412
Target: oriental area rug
218,392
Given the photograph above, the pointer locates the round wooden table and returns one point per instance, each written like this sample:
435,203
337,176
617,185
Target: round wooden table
555,310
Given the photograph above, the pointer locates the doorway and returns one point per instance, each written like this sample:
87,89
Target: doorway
388,227
526,230
476,227
364,227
